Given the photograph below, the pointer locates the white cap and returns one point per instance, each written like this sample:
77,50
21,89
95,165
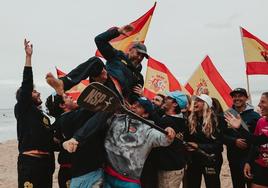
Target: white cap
206,99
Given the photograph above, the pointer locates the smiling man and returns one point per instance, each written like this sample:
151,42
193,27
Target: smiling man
237,143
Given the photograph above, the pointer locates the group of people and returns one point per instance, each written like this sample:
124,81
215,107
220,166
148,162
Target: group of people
116,150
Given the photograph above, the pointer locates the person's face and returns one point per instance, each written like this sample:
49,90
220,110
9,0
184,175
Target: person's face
138,109
157,101
102,77
263,104
69,102
169,103
135,56
36,98
198,105
239,100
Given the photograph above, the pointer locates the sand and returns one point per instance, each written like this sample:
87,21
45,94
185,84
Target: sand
8,165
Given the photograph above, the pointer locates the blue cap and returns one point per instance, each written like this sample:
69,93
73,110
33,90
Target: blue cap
146,104
179,97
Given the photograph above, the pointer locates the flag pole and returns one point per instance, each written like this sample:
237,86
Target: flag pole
250,101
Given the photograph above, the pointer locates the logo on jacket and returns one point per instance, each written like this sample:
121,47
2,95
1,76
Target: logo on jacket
28,184
46,122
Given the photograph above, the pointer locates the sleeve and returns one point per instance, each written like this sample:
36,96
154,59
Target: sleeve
213,147
224,130
216,145
252,154
253,122
103,45
94,124
157,139
255,139
24,95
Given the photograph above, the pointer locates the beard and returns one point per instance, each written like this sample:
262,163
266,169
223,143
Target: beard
37,101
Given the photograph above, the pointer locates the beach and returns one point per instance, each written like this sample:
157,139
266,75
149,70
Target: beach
8,165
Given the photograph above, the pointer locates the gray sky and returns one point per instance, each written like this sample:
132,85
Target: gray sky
180,35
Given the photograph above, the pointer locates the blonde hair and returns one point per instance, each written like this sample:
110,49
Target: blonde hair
209,121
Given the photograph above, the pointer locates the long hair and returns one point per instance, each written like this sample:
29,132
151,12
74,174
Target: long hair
209,121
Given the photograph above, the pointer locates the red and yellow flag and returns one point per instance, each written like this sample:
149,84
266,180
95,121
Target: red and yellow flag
140,26
159,80
207,76
75,91
256,53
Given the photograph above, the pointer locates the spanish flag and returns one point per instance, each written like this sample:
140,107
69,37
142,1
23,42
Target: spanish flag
159,80
256,53
140,26
206,76
75,91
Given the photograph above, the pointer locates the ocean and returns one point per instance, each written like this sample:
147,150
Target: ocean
7,125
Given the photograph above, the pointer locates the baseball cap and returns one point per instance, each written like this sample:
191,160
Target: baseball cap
140,47
207,99
239,90
179,97
146,104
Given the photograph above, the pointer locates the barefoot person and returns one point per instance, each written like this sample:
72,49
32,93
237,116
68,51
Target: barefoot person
35,137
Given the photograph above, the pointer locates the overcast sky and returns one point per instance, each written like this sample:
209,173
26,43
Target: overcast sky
181,34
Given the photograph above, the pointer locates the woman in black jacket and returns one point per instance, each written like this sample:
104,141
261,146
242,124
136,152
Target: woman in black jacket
204,134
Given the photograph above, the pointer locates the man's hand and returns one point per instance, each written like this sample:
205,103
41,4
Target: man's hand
170,134
138,90
28,48
235,122
241,143
125,29
70,145
247,171
192,146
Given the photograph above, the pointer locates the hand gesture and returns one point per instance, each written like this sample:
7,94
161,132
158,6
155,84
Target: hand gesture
192,146
170,134
138,90
235,122
241,143
28,48
247,171
125,29
70,145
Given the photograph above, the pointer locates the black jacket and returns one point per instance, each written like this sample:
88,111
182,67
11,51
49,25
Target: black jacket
34,131
89,156
211,145
250,117
118,64
172,157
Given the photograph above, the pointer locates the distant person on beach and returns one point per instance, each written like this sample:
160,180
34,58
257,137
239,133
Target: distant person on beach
35,137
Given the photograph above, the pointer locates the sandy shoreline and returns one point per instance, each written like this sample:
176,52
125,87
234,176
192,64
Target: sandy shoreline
8,165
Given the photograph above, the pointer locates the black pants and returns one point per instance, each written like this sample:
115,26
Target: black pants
64,177
237,174
149,176
211,174
35,172
79,73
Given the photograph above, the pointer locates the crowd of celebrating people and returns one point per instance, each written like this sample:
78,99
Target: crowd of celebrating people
116,150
